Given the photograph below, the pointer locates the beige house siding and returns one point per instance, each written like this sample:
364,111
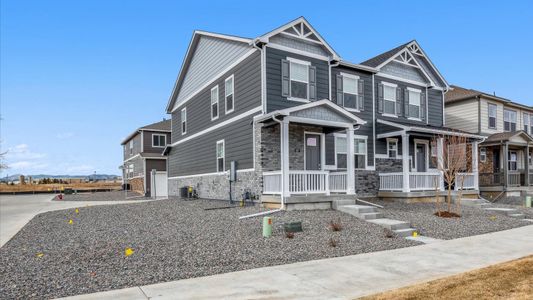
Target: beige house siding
463,115
484,115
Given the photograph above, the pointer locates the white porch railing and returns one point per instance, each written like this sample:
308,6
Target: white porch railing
514,178
272,182
391,181
337,182
423,181
308,182
468,184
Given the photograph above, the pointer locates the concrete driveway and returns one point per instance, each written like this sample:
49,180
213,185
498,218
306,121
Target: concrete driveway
17,211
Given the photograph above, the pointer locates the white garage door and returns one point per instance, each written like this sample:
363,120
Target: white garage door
159,185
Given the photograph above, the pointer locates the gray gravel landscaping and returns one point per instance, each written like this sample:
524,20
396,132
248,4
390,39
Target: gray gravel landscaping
171,239
473,220
102,196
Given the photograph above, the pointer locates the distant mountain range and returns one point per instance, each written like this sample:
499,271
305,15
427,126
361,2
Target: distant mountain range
39,176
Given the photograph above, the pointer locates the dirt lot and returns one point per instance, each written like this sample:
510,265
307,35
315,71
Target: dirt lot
510,280
57,187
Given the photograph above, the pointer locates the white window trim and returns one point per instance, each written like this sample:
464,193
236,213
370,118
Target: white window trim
356,78
359,137
422,142
389,140
157,134
481,150
232,77
301,62
183,120
410,89
395,115
495,115
525,121
515,161
212,103
515,122
223,157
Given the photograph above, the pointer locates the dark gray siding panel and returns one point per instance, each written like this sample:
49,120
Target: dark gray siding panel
159,165
148,141
435,109
247,95
434,102
198,155
136,147
273,78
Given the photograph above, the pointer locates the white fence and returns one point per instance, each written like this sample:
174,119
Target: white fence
424,181
391,181
308,182
337,182
514,178
272,182
469,181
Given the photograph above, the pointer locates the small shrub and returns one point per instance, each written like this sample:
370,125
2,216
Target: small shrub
335,225
289,235
388,233
333,242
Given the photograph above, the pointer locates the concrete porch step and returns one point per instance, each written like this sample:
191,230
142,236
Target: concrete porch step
517,216
391,224
358,209
371,216
404,232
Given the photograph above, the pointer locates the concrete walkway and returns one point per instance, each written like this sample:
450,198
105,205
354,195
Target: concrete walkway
346,277
17,211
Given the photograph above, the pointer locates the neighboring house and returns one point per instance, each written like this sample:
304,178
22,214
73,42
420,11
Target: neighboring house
283,106
143,153
505,155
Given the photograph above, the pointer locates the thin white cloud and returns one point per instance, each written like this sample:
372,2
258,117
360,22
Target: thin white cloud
27,165
22,152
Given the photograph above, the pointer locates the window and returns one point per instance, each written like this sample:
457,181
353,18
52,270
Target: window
184,121
509,120
414,103
389,99
129,171
299,79
214,103
492,116
228,94
349,91
530,124
220,156
159,140
360,153
526,122
392,148
131,147
433,148
513,166
483,154
340,152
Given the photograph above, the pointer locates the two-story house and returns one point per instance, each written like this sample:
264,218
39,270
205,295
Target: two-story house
505,154
297,119
143,156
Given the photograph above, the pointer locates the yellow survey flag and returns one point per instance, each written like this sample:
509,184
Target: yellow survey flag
70,221
128,251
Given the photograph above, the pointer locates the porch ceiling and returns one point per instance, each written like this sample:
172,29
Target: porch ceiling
404,127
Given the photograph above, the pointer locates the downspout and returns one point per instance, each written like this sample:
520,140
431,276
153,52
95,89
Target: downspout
282,207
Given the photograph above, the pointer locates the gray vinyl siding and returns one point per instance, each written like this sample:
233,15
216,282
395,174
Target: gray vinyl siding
159,165
273,78
366,114
434,102
148,141
247,95
435,98
136,146
198,155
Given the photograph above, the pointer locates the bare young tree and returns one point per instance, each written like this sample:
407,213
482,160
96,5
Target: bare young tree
454,161
3,166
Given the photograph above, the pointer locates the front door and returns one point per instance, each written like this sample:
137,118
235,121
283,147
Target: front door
421,157
312,152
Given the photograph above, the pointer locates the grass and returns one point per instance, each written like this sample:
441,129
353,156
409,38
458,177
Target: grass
509,280
57,186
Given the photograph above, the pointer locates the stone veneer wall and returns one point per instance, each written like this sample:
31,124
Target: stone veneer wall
137,184
486,167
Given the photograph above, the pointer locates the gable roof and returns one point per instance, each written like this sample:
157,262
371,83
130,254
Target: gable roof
162,126
506,136
188,59
300,28
457,93
417,57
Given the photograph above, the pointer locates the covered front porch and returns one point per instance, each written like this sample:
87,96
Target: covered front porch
413,153
294,150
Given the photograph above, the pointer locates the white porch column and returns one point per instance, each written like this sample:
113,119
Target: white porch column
440,161
350,163
405,162
285,158
475,166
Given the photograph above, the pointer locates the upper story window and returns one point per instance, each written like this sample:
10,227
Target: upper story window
228,94
131,147
299,75
526,122
350,93
214,103
159,140
184,120
389,98
414,103
392,148
492,115
221,156
531,124
509,120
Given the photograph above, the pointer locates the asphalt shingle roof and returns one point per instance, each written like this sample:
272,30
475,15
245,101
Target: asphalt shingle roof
378,60
162,125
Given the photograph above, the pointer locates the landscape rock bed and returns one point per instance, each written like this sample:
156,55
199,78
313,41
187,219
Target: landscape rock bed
102,196
473,220
171,240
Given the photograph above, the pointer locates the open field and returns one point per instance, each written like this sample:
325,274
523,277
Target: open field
510,280
52,187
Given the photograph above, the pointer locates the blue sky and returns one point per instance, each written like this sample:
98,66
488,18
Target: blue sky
78,76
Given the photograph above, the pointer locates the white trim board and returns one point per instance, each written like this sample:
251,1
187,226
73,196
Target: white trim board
210,174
